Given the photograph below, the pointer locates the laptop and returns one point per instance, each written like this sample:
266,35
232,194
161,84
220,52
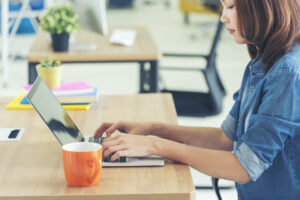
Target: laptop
65,130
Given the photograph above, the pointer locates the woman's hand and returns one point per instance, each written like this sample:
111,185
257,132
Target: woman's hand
136,128
128,145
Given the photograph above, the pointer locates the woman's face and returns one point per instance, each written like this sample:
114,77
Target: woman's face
229,18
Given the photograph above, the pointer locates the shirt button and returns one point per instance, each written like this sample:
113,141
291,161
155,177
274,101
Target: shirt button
239,198
240,117
251,90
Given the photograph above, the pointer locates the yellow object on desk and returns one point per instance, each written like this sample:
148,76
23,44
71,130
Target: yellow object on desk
196,6
16,105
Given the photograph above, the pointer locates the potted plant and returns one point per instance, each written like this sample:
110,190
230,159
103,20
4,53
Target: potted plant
50,71
60,21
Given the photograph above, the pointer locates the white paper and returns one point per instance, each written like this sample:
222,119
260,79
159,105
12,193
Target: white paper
5,132
124,37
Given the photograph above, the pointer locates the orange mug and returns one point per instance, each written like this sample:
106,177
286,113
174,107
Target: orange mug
82,163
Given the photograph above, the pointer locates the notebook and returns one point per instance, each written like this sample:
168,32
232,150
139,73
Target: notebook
69,88
15,104
87,98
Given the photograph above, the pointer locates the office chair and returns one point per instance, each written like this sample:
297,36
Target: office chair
200,104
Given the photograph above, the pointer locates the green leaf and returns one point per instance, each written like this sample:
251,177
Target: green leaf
60,19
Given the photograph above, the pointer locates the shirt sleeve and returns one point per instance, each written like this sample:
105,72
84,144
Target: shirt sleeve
276,119
228,125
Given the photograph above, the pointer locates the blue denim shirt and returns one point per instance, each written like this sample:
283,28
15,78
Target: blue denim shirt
264,124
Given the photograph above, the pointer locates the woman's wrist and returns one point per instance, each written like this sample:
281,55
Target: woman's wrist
166,148
155,146
156,128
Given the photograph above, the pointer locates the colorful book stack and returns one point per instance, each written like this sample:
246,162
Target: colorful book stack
72,95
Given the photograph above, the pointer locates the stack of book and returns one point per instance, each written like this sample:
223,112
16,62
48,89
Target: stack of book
72,95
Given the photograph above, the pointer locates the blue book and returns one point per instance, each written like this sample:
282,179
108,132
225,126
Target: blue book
80,99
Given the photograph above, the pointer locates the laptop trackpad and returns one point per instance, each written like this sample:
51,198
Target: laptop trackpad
136,162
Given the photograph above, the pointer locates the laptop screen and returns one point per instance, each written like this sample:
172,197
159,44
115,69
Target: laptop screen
53,114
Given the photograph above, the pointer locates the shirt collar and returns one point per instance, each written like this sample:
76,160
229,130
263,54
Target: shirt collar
256,66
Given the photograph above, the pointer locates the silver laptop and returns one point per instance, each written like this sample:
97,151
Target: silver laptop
66,131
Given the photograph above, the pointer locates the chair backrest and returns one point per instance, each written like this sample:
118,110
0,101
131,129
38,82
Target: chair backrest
215,42
216,90
207,103
215,86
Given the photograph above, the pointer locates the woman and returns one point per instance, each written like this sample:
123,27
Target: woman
263,126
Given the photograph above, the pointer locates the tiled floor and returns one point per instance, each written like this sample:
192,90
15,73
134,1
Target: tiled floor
171,35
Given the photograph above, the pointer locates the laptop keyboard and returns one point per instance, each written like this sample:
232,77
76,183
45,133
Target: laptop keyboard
96,140
100,140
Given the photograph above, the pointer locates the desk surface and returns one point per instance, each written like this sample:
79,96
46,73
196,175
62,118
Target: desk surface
32,168
144,48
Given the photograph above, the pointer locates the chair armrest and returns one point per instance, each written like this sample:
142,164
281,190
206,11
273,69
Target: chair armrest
180,68
185,55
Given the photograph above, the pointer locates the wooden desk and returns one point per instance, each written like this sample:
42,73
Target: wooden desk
143,51
32,168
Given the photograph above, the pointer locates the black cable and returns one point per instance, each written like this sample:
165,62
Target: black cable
215,182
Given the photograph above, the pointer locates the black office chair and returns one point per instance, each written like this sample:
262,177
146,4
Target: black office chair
200,104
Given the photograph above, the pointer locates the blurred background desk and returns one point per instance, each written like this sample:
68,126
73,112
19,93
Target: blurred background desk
32,168
144,51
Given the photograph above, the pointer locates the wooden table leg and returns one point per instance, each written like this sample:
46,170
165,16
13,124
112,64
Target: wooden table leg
149,77
154,76
142,76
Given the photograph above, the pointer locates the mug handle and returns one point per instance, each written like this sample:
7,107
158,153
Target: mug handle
96,169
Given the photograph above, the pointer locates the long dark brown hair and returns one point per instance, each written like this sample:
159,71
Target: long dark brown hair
271,26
